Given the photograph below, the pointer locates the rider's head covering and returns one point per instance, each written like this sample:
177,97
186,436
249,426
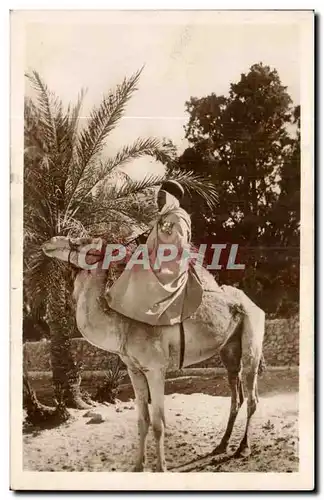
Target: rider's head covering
174,188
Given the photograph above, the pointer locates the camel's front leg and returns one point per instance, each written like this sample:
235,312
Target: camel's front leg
142,396
156,380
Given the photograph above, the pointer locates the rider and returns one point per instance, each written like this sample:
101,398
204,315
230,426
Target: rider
166,293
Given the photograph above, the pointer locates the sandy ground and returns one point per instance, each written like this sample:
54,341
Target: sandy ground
195,424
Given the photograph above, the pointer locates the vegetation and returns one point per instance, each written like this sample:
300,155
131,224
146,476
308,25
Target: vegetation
38,414
248,144
72,188
108,390
241,171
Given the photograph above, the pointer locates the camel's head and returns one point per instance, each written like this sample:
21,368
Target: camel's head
81,252
57,247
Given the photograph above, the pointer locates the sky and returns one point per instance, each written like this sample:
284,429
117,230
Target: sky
182,59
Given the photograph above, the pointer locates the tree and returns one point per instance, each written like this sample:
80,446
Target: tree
242,143
38,414
71,189
285,216
284,227
35,327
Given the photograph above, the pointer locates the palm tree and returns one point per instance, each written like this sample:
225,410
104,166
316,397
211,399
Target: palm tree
70,188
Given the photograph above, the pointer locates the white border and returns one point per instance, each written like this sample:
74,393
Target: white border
189,481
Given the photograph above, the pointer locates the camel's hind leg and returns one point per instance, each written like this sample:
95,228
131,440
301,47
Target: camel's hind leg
252,340
244,449
231,357
141,390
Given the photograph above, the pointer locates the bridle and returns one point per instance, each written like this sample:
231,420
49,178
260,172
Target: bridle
73,248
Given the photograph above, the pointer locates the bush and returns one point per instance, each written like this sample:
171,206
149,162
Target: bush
108,391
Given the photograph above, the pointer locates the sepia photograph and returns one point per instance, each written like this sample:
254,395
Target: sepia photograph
162,178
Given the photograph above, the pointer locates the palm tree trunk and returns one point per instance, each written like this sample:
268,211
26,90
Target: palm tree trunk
37,413
66,373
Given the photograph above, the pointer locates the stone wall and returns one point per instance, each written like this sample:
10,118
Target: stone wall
281,343
281,348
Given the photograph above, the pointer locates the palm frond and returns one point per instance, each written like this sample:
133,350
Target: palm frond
195,183
36,276
141,147
74,113
135,219
45,104
103,120
116,195
192,183
40,195
65,151
120,219
131,188
38,226
124,218
73,227
150,146
70,130
33,144
58,128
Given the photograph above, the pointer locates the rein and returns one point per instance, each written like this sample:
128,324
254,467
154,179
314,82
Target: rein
74,247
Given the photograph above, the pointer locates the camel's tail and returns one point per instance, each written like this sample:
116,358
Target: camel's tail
252,330
262,365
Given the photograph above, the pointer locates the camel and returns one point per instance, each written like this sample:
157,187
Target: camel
227,321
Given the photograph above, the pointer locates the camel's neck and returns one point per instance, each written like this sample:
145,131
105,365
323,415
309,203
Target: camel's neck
100,328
